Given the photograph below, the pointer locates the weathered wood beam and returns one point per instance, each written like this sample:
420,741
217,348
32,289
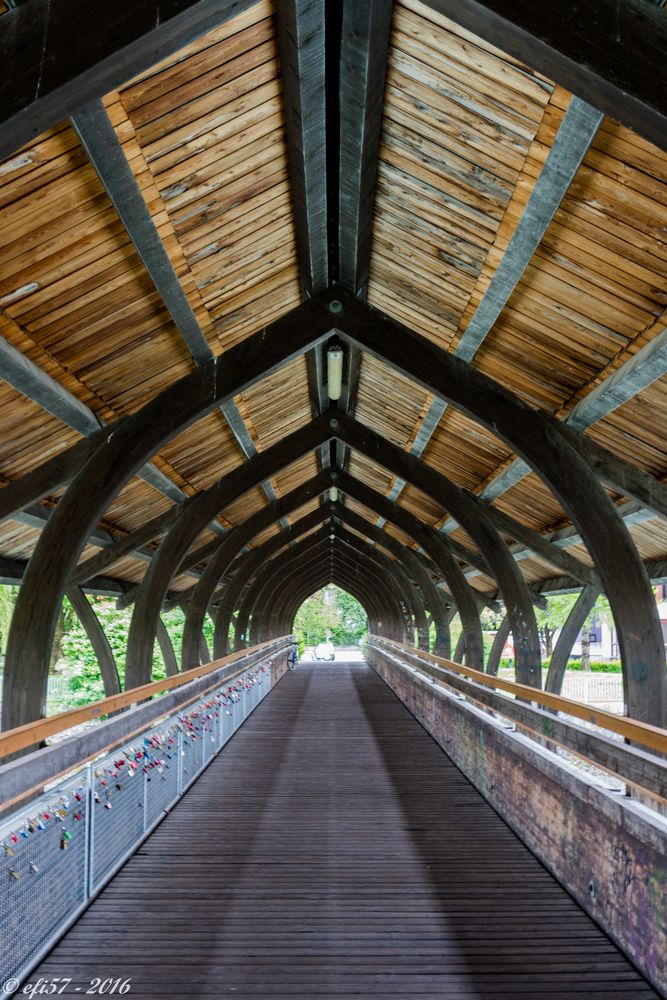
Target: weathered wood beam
571,143
631,513
375,587
56,57
28,378
349,574
169,557
408,559
301,44
342,577
98,640
641,370
567,638
186,567
256,558
376,569
540,441
124,450
474,518
302,47
355,135
558,557
125,546
610,54
100,141
228,550
46,478
363,59
462,594
13,570
167,649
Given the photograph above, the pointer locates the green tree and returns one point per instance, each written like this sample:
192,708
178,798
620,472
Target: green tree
333,614
7,602
85,681
553,617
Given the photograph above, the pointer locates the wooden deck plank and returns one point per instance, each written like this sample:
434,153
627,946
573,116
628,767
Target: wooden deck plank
333,850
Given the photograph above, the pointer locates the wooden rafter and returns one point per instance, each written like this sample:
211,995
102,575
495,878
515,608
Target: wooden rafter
46,77
607,53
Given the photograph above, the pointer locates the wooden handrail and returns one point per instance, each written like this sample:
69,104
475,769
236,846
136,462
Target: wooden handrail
33,733
641,733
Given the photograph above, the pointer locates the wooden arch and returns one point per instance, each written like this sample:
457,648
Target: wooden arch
552,452
380,574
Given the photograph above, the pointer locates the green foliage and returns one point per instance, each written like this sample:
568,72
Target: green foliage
598,666
333,614
7,602
85,681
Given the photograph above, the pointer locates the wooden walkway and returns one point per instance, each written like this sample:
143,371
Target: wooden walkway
332,850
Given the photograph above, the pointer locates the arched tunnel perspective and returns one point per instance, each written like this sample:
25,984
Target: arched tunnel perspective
333,488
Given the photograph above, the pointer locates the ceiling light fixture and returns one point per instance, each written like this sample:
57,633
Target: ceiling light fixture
335,372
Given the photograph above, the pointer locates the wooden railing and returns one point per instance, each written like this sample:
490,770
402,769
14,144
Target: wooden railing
628,760
33,733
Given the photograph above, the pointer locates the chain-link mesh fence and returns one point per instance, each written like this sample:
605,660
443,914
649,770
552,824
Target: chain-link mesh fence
61,848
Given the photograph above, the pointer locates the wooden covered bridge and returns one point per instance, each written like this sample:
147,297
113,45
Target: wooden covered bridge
360,292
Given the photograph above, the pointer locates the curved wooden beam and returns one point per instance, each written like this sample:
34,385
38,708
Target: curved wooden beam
497,646
338,576
245,572
374,581
567,638
405,556
437,548
122,451
473,518
343,575
195,517
552,453
228,550
381,589
167,649
370,577
267,586
97,638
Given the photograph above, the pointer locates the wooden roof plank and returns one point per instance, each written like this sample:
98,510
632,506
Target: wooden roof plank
46,77
613,64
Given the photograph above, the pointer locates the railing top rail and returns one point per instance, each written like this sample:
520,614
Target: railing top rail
14,740
642,733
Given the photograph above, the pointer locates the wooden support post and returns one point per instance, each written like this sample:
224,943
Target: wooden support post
167,649
497,646
552,453
567,638
123,450
97,638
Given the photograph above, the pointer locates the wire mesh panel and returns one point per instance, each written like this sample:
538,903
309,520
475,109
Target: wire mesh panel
227,719
43,856
210,731
117,814
61,849
161,778
190,753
